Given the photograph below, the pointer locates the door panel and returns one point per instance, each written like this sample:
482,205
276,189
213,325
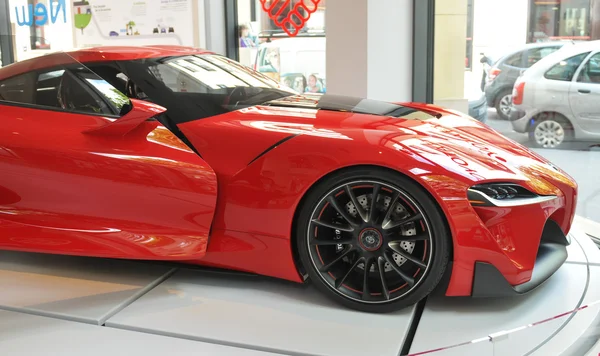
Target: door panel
584,96
145,195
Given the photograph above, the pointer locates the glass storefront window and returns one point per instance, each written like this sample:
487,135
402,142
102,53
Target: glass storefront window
38,33
297,62
561,20
537,63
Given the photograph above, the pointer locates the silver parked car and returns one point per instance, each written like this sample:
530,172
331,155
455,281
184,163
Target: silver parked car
558,98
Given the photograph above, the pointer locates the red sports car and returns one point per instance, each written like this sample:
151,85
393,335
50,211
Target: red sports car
174,153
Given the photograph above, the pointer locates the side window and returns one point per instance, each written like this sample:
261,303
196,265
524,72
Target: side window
116,99
46,92
535,55
271,61
590,73
19,89
260,58
516,60
72,89
565,70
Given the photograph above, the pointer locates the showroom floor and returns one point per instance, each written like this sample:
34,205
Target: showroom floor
58,305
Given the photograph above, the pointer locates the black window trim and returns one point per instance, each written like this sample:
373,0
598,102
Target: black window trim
50,108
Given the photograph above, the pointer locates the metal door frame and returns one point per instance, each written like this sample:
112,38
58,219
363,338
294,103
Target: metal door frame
6,39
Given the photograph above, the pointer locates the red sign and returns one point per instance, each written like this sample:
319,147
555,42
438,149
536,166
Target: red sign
296,17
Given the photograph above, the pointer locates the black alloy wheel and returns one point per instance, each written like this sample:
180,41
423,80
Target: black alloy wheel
370,244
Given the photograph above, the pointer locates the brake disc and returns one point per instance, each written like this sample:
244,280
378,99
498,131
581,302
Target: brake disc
399,212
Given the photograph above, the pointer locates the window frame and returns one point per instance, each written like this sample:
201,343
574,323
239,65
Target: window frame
423,44
531,50
39,72
577,71
522,54
584,63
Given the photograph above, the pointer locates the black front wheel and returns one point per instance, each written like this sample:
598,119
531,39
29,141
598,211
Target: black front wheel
372,240
504,104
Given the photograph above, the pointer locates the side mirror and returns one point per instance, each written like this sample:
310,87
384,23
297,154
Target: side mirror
140,112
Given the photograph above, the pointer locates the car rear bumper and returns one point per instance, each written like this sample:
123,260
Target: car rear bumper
551,254
520,119
478,109
492,90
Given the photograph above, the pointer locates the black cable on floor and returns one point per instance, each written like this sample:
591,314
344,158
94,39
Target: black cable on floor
420,307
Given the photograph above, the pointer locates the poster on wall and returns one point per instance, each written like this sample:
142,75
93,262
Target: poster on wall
132,22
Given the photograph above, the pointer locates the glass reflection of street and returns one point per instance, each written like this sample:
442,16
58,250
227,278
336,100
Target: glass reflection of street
572,159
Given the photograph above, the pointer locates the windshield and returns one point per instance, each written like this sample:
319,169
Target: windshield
196,86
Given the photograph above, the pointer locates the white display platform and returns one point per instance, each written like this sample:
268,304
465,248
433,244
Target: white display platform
73,288
451,321
28,335
59,305
261,314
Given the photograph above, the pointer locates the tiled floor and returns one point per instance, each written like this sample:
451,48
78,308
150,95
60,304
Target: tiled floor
57,305
24,334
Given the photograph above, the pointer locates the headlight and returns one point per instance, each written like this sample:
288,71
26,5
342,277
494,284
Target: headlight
504,195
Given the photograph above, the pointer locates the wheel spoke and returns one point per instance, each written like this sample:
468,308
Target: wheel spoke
412,238
390,210
328,266
390,259
366,291
408,256
384,288
343,241
345,235
340,281
346,228
341,211
373,209
359,208
395,225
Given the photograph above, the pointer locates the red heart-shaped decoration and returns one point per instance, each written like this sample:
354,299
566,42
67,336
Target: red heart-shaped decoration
294,19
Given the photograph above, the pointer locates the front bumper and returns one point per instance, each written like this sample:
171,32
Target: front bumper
552,253
515,247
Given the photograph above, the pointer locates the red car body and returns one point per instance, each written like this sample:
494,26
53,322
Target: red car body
91,185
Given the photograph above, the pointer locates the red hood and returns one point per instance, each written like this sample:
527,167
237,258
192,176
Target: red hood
449,139
462,144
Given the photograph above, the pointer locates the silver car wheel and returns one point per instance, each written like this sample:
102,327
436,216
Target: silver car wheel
549,134
505,104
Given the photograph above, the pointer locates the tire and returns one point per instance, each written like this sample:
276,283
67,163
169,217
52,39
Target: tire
406,249
550,130
502,100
